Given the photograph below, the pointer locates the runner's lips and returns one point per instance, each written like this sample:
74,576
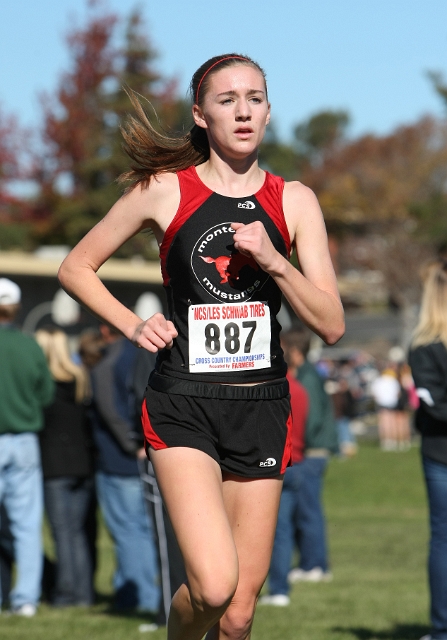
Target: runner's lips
245,130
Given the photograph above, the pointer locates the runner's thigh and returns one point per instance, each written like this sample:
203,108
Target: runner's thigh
252,507
191,484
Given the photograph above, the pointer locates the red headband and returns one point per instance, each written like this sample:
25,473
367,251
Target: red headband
209,69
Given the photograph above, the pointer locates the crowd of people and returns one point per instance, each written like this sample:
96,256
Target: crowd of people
70,438
360,387
90,445
92,453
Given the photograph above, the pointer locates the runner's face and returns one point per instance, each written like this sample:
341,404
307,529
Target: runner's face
235,110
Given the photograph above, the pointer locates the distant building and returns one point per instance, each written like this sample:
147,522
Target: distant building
36,275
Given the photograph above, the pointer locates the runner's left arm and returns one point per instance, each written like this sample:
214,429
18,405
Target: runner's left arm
311,292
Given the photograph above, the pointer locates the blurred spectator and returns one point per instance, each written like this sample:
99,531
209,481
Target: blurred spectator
394,396
91,348
67,464
25,388
386,392
406,402
344,410
407,382
320,442
428,361
90,351
287,528
120,493
361,374
324,368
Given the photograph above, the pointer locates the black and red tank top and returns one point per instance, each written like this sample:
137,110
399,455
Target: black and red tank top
223,305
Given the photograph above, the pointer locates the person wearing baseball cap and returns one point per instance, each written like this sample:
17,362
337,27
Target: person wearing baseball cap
10,293
26,387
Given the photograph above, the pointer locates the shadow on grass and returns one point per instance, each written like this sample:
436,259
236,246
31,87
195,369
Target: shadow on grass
398,632
106,605
104,599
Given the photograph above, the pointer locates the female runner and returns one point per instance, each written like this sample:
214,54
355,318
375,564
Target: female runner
216,415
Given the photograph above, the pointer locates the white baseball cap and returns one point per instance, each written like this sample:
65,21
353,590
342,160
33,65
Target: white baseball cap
9,292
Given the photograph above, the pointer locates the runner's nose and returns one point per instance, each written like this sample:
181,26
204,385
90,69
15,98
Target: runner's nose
243,111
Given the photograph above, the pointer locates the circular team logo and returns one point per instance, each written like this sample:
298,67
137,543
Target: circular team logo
225,273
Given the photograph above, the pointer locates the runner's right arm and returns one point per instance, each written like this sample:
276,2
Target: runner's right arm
125,219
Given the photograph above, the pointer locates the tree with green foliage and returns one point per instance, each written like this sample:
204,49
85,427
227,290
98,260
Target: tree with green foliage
74,173
83,153
279,157
14,210
439,84
382,197
313,140
320,135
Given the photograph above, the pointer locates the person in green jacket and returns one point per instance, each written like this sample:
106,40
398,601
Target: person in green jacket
321,440
26,387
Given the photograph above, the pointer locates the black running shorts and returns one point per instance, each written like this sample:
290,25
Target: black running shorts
247,430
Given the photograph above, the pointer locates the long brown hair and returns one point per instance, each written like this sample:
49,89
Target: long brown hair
154,152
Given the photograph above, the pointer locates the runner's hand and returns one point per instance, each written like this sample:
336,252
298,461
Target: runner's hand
155,333
252,240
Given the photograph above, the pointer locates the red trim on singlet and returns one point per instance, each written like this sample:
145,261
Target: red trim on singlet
270,197
151,437
193,193
287,455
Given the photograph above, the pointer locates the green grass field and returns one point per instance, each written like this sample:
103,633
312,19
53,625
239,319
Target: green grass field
377,521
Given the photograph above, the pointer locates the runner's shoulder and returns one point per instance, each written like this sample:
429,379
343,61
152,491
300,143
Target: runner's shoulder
161,185
297,191
156,200
300,205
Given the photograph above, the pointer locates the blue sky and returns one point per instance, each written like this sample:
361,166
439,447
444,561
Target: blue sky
370,58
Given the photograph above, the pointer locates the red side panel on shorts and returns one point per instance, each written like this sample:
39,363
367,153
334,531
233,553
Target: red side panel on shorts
287,456
151,437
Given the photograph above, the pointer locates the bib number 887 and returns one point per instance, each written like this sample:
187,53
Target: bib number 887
232,333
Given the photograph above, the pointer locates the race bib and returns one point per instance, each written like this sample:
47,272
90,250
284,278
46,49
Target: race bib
229,337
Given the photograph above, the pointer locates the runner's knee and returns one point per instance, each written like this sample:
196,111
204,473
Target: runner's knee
215,591
237,621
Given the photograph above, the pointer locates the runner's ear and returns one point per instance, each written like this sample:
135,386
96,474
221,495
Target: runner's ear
198,117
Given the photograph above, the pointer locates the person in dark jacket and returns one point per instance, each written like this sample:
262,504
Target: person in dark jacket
343,403
428,362
119,446
67,464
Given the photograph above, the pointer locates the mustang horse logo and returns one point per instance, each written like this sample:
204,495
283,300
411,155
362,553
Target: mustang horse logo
228,267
